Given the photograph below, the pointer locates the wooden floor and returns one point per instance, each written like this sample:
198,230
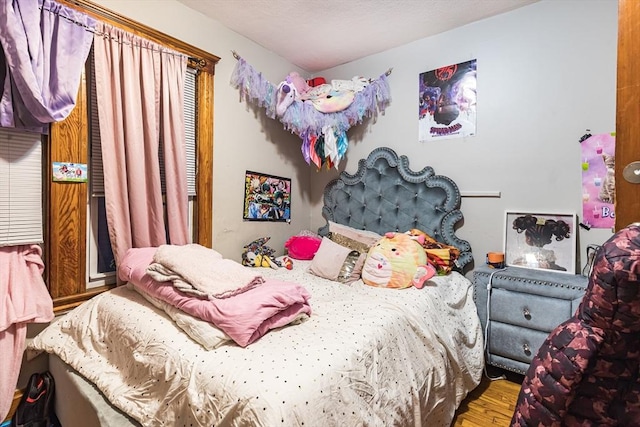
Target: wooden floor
491,403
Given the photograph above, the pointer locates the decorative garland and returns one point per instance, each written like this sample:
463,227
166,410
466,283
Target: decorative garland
324,135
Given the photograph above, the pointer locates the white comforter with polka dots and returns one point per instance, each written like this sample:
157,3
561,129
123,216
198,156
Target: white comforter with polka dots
366,357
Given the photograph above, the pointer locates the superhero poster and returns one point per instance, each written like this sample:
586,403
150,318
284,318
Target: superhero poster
598,180
266,197
447,102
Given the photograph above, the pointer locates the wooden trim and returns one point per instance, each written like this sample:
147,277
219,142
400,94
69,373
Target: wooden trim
66,203
69,302
627,206
204,171
67,208
113,18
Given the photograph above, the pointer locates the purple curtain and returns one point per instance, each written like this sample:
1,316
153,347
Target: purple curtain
45,45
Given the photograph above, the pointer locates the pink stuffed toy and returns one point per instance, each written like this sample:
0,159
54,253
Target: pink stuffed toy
397,261
302,247
289,90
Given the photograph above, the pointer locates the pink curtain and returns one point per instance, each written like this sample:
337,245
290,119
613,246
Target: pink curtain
140,100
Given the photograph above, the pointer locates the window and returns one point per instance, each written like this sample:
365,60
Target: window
101,266
70,218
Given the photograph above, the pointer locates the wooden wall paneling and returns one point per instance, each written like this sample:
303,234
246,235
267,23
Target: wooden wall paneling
204,158
67,207
627,111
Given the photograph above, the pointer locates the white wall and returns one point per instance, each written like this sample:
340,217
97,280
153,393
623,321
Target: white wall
245,139
546,73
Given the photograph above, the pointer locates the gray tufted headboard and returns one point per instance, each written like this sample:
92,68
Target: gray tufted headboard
386,195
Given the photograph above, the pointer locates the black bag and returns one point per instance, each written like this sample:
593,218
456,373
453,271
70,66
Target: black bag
36,405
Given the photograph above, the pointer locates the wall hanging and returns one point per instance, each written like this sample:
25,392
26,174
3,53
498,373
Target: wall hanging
266,197
598,180
320,113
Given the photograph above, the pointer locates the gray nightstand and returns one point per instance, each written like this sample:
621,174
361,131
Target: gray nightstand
524,306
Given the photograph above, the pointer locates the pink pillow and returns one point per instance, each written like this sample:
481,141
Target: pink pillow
302,247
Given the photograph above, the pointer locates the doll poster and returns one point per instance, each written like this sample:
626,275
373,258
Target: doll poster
598,180
447,102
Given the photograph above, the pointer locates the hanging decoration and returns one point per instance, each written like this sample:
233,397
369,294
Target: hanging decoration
318,112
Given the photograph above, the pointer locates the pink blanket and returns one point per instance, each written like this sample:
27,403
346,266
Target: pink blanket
244,317
23,299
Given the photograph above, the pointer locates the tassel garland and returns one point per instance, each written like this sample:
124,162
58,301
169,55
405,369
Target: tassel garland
324,135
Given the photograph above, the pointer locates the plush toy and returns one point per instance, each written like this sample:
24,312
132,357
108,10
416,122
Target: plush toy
356,84
258,254
289,90
302,247
397,261
285,95
316,81
298,82
285,261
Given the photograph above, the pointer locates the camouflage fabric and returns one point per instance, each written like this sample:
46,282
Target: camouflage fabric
586,371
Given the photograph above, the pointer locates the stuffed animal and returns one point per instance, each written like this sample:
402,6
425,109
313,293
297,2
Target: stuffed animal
285,95
258,254
289,90
285,261
316,81
302,247
397,261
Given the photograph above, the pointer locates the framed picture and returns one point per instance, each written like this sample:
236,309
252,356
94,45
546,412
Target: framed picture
266,197
543,241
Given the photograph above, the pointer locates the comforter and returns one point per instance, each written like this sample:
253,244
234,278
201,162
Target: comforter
245,317
367,356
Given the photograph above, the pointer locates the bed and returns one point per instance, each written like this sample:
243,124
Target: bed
365,356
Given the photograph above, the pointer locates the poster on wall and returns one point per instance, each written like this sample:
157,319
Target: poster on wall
69,172
598,181
447,102
266,197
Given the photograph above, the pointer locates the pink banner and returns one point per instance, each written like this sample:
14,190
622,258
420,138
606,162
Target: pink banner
598,182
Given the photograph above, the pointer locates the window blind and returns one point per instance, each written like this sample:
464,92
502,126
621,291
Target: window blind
190,116
190,120
20,188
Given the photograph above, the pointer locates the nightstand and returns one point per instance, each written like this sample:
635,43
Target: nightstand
524,305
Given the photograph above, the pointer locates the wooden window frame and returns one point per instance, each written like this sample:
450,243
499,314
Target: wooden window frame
68,141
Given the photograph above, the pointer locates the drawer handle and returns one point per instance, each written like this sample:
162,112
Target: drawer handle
526,349
526,313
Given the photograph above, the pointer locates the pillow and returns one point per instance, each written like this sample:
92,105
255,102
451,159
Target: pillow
397,261
359,240
336,262
302,247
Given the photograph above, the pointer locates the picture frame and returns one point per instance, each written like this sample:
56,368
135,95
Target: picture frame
266,197
541,241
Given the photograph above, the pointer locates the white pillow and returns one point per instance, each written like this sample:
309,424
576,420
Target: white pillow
336,262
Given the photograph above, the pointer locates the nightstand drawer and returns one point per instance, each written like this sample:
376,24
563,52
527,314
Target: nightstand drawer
529,311
514,342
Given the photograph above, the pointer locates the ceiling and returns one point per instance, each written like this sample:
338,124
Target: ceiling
319,34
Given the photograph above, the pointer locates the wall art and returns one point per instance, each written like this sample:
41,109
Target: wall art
543,241
266,197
